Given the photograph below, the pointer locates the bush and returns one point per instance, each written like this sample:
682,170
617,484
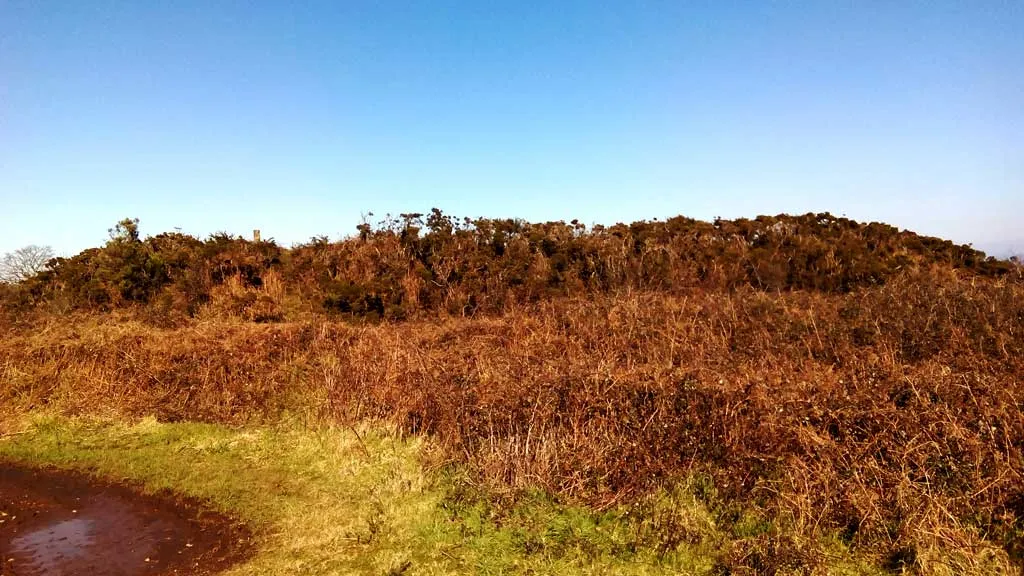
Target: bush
414,266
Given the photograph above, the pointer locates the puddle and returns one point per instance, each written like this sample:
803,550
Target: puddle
47,548
59,523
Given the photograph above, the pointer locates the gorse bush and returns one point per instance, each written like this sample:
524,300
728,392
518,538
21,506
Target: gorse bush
815,381
414,265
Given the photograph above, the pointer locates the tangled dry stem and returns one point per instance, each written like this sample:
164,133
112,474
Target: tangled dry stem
890,417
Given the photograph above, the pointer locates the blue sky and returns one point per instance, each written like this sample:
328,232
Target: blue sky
296,118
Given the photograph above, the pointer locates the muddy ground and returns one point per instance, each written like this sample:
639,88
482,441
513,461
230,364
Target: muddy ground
60,523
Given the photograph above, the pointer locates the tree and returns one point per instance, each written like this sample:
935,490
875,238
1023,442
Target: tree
24,263
126,231
130,266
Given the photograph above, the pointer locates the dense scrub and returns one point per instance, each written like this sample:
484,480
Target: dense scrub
414,266
891,418
817,379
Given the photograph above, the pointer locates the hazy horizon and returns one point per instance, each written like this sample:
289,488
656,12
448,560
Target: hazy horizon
298,119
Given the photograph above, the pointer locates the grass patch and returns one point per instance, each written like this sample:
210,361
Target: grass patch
332,500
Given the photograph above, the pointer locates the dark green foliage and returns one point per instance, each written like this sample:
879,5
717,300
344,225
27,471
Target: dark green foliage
416,264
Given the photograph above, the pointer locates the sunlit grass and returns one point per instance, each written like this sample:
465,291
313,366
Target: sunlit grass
358,501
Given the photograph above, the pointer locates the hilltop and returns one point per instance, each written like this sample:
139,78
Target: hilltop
415,265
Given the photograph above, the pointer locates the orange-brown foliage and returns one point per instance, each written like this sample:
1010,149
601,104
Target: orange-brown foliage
843,379
892,416
422,267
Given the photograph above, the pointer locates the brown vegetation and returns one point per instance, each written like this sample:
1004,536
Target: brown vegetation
843,381
419,267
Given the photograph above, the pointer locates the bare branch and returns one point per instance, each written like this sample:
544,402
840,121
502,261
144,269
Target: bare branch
24,263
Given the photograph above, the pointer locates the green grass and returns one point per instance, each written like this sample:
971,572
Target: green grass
333,500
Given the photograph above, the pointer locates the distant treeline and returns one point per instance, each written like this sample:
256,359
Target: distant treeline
414,264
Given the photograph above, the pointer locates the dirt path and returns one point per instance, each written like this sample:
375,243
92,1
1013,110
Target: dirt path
59,523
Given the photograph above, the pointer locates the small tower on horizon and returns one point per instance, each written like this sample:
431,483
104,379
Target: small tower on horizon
256,235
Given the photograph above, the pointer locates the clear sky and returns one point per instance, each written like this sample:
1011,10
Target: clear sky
296,117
